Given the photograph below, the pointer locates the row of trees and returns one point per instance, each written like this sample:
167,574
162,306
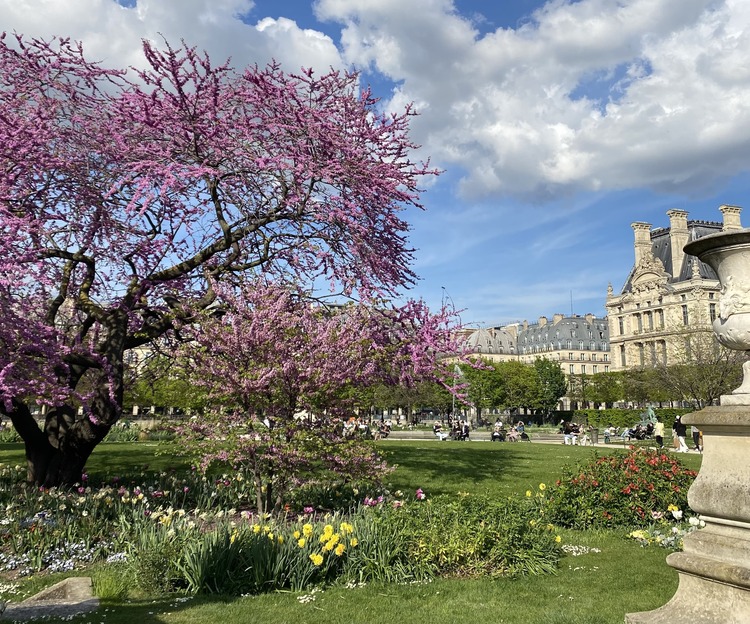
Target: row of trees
513,385
700,371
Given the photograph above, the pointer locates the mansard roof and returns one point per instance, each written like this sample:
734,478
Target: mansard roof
491,341
661,248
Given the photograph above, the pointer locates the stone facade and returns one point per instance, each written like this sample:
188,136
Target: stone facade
580,344
668,296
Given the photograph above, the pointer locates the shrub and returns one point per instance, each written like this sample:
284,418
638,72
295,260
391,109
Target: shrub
620,490
155,559
472,536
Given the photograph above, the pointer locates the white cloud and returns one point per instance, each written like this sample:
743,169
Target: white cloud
668,87
113,33
589,95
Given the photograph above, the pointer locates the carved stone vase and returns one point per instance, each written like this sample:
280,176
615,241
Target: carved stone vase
714,567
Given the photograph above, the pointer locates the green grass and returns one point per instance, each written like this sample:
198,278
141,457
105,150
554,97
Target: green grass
594,588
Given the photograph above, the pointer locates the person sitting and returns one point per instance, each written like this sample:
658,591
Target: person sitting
498,435
583,438
513,435
437,429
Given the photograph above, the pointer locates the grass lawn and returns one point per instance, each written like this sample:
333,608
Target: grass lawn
591,588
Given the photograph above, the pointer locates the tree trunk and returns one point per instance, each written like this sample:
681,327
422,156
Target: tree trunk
56,454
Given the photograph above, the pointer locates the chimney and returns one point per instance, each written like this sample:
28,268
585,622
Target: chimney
642,233
731,217
678,238
542,321
589,318
556,318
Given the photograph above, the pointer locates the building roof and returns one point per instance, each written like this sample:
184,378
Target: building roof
491,340
661,249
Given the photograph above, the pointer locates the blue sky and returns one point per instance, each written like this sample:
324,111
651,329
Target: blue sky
557,123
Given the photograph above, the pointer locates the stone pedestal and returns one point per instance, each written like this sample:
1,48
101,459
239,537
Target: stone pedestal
714,567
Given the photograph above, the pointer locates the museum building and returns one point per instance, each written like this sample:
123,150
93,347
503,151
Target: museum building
669,297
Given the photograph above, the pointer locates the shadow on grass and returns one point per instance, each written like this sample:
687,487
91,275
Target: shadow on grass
501,468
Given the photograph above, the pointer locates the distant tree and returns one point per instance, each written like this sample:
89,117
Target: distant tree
606,388
700,369
552,384
163,383
520,385
484,385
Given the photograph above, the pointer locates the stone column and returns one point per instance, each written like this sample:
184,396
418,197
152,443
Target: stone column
714,567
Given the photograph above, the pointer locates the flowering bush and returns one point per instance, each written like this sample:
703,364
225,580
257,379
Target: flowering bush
663,533
619,490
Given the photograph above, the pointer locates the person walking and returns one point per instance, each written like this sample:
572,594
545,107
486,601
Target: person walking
681,431
659,434
696,433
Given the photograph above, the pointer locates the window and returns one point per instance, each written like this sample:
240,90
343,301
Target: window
593,357
650,320
583,369
652,352
660,318
639,322
622,326
606,356
622,355
596,370
580,345
606,369
572,369
685,315
712,311
641,354
570,355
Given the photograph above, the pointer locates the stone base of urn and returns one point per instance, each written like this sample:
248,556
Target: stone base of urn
714,567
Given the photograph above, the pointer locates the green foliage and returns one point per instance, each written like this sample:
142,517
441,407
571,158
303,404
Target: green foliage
552,383
620,490
164,383
123,433
155,559
477,536
113,581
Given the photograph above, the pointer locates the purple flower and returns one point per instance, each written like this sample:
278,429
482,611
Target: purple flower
308,510
420,494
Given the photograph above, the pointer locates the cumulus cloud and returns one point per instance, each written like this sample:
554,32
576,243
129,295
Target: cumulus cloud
112,32
587,95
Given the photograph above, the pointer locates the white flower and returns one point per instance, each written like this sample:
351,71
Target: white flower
694,521
677,514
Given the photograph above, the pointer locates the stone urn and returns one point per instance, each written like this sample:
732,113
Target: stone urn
714,566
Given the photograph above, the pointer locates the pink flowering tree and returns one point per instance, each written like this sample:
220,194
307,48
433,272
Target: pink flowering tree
287,372
126,197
